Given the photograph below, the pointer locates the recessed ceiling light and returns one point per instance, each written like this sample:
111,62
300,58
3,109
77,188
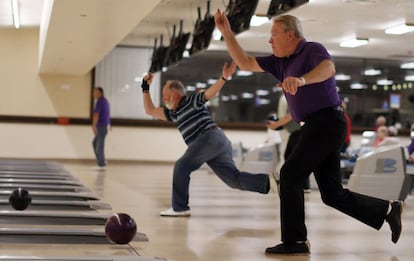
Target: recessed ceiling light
216,35
211,81
191,88
384,82
352,43
342,77
201,85
372,72
16,15
247,95
264,101
186,54
400,29
258,20
409,65
262,92
409,78
358,86
277,89
244,73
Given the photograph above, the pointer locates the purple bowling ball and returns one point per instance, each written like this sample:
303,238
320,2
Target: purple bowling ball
120,228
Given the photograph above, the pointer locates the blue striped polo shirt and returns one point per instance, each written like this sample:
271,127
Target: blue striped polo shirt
191,116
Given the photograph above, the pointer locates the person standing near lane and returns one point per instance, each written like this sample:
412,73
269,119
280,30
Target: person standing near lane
306,74
293,128
101,121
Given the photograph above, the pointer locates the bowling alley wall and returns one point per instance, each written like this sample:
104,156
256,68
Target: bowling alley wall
25,93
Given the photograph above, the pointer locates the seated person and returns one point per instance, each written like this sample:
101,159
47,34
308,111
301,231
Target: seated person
383,137
411,151
379,122
382,133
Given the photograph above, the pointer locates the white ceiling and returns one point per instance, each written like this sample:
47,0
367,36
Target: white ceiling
325,21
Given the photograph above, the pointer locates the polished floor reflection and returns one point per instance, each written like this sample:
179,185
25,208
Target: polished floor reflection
226,224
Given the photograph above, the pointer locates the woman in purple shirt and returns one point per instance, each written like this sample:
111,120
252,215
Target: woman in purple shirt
306,74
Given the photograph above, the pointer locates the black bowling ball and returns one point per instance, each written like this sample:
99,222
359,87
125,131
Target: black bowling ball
20,199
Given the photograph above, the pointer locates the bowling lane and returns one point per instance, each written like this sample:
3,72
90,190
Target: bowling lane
226,224
26,245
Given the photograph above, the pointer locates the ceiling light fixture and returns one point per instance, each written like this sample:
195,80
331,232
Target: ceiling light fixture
211,81
400,29
16,16
216,35
409,78
384,82
191,88
372,72
277,89
409,65
261,92
247,95
258,20
342,77
358,86
201,85
186,54
264,101
352,43
244,73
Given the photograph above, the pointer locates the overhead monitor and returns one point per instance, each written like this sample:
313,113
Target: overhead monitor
158,56
395,100
239,13
278,7
177,47
203,31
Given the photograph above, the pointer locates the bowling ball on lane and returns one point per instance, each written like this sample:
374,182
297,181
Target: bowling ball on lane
20,199
120,228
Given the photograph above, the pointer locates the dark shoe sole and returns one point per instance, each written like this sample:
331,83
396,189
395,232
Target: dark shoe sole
288,252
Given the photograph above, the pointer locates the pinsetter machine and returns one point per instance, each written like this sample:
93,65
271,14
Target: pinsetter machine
382,173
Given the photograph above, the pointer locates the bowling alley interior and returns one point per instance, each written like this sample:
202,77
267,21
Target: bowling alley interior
69,192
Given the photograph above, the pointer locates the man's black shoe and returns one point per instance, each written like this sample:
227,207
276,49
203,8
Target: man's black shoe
394,219
289,249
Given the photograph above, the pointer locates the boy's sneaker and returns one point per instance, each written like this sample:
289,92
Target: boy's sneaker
172,213
289,249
